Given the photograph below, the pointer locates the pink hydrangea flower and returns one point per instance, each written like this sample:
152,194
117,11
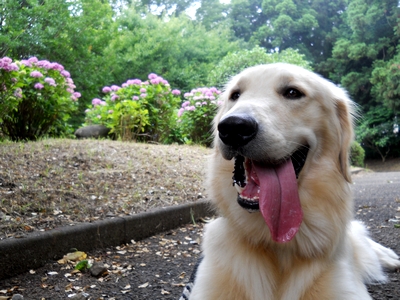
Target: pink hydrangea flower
43,64
6,60
143,95
50,81
143,90
135,98
38,86
77,94
152,76
65,73
36,74
115,88
33,60
133,82
180,112
106,89
96,101
58,67
176,92
114,97
18,93
186,103
26,63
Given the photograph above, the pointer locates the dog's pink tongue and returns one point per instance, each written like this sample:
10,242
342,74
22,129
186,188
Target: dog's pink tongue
279,200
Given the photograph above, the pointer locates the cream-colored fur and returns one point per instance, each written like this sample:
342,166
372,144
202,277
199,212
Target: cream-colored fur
331,256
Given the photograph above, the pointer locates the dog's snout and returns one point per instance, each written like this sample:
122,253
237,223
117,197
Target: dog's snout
237,130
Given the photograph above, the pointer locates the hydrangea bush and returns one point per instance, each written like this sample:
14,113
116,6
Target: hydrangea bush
196,114
138,110
37,97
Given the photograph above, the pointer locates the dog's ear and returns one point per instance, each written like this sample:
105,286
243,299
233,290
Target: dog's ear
345,112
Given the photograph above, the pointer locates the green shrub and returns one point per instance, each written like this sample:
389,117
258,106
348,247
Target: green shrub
37,98
196,115
138,110
236,62
357,155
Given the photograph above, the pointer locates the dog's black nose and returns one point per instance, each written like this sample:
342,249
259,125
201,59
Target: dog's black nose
237,130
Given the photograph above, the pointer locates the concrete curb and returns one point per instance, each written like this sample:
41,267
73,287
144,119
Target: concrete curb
20,255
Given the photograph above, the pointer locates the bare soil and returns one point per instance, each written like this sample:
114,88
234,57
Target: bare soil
58,182
54,183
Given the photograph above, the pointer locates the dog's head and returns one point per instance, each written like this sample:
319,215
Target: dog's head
279,125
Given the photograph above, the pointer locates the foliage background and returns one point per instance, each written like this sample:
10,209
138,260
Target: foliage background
354,43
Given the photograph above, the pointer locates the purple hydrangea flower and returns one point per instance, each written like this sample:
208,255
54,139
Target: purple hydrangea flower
26,63
36,74
65,73
106,89
77,94
176,92
152,76
44,64
115,88
133,82
135,98
58,67
50,81
33,60
114,97
96,101
143,90
180,112
38,86
18,93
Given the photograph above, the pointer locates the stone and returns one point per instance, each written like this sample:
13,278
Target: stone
92,131
98,269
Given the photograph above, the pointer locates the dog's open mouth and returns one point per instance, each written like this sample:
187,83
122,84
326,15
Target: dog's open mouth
272,190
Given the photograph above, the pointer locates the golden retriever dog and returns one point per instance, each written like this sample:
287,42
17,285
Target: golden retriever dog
279,176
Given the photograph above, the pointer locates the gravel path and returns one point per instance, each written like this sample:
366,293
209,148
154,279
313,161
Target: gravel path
158,267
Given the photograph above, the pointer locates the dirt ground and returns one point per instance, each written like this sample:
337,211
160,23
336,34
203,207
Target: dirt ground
54,183
157,267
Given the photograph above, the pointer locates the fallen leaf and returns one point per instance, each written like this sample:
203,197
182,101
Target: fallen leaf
144,285
52,273
83,265
75,256
179,284
164,292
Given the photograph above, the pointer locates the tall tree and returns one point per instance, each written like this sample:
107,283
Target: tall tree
366,47
212,13
176,48
310,26
73,33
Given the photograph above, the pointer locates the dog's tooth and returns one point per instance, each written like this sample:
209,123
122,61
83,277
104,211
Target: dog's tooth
238,188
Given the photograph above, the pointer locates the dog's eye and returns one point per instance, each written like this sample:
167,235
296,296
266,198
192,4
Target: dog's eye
292,94
234,96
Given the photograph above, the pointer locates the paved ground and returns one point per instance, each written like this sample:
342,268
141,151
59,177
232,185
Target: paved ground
158,267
